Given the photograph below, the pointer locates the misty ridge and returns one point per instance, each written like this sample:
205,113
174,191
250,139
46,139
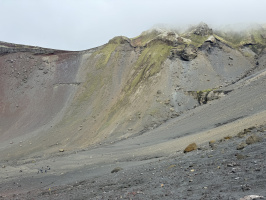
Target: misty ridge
237,28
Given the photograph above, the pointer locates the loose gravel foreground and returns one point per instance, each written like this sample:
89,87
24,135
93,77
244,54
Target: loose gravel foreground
231,168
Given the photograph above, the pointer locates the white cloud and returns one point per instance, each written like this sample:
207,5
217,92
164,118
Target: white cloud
83,24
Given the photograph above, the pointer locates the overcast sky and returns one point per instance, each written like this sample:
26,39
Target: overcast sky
84,24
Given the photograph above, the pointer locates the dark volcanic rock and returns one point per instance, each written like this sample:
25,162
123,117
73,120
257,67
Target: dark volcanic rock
117,169
189,53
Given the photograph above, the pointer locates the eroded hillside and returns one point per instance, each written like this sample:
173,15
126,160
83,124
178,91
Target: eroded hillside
51,100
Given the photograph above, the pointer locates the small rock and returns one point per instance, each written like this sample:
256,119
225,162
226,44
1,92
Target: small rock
252,139
251,197
227,137
61,150
234,170
117,169
240,156
3,166
171,166
159,92
241,146
247,130
241,134
190,147
245,187
231,164
211,142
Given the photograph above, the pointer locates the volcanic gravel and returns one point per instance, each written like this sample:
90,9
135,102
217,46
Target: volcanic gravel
215,171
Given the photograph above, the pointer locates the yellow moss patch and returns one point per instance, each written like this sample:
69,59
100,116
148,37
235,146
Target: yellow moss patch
197,40
104,55
90,86
149,63
144,38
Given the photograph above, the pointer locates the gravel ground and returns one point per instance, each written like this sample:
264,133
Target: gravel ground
215,171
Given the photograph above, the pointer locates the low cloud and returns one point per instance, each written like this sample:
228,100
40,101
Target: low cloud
84,24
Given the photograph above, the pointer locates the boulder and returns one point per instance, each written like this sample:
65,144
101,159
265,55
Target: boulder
252,139
191,147
211,39
189,53
241,146
251,197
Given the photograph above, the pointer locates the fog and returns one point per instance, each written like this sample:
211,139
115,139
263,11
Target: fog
84,24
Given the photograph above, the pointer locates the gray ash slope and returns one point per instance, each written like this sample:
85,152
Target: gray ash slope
124,104
215,171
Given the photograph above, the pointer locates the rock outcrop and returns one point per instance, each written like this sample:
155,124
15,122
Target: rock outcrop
189,53
119,40
203,30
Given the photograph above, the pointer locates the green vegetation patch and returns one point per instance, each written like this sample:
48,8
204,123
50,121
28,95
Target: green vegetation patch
237,39
104,55
93,82
149,63
207,90
257,36
119,40
233,39
197,40
144,38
